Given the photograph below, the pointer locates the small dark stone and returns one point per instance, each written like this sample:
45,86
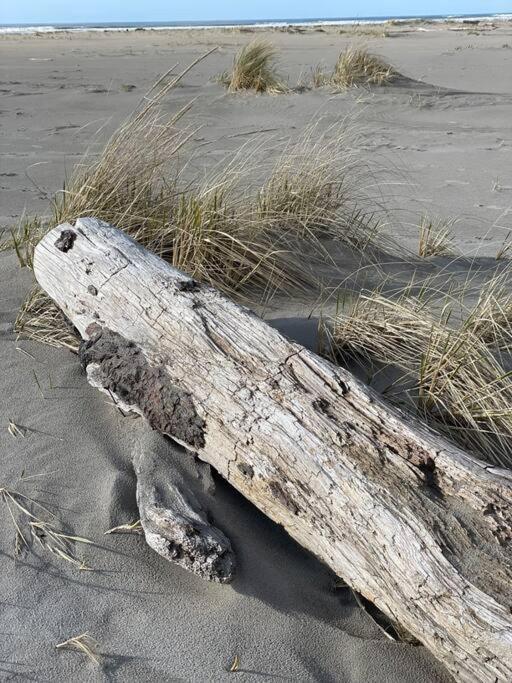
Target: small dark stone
92,290
66,240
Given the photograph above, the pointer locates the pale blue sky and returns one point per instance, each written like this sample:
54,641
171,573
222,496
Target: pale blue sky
63,11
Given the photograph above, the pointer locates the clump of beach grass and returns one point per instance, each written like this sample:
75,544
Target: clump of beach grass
125,185
435,237
213,235
317,189
319,76
358,67
373,31
445,371
490,319
23,238
41,320
254,68
241,229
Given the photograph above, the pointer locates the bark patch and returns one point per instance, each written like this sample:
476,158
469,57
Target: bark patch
124,371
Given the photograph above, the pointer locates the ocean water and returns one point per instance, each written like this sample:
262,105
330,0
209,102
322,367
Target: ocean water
133,26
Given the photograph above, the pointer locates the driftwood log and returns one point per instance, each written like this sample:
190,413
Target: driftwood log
410,521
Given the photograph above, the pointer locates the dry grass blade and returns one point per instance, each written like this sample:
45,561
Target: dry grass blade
46,533
505,249
356,66
130,528
14,430
254,69
84,644
448,374
378,618
436,237
235,665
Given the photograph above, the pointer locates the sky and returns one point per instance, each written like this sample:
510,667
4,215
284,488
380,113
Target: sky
64,11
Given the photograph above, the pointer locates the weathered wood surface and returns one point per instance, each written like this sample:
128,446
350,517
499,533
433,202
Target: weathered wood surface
417,526
174,523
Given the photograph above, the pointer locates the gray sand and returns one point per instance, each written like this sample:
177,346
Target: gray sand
447,132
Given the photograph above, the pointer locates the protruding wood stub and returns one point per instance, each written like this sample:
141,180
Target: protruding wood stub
173,520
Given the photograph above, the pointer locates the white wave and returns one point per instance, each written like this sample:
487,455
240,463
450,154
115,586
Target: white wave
263,24
28,29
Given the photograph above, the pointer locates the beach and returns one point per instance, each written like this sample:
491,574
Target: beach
439,142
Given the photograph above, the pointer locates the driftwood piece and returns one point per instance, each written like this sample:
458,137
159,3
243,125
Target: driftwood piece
174,523
410,521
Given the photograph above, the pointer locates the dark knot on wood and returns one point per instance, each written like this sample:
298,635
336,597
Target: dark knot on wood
66,240
187,285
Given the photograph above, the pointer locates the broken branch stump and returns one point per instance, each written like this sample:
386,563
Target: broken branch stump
173,520
416,525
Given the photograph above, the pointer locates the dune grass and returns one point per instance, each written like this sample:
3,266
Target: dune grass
318,187
436,237
318,76
240,229
22,238
125,185
490,319
41,320
443,370
358,67
254,68
372,31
